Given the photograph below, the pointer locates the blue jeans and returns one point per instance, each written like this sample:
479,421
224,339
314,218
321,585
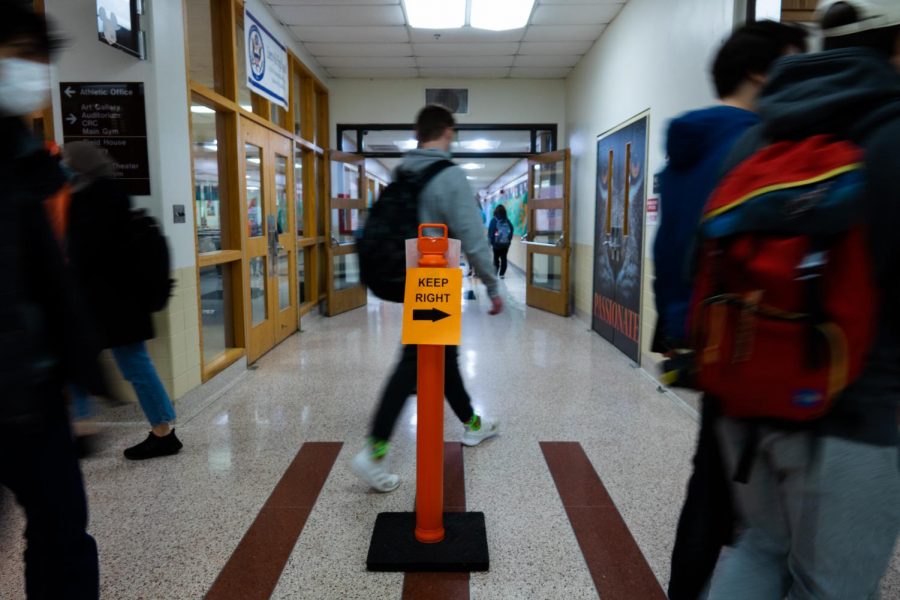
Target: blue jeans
138,370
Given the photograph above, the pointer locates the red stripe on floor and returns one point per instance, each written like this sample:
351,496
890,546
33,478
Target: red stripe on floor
254,568
615,561
444,586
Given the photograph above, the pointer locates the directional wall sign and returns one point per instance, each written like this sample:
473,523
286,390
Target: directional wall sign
112,116
432,307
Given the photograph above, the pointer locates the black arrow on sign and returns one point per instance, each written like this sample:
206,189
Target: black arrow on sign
430,314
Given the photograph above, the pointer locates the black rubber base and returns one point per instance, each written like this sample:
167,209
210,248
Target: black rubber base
395,548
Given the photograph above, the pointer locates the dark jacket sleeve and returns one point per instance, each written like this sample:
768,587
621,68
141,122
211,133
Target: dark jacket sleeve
883,217
50,283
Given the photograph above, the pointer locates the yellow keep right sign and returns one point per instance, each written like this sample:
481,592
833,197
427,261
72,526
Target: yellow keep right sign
432,307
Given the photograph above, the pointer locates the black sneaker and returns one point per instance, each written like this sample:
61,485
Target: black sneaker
154,446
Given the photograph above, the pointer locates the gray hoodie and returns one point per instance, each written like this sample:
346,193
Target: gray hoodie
448,199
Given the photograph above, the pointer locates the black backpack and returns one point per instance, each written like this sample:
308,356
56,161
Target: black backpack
393,219
153,286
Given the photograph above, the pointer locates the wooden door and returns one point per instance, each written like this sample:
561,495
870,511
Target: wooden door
547,240
347,209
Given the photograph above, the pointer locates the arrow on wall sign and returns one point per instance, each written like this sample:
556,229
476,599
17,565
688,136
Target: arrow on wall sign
71,119
430,314
69,92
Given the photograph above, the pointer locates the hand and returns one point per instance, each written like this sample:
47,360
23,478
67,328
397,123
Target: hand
496,306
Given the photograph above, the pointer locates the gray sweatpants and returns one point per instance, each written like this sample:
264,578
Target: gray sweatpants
821,516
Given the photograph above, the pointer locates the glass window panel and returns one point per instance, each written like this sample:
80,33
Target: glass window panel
321,217
346,271
207,163
244,98
544,141
259,308
315,116
348,141
301,275
345,223
546,271
281,194
548,181
279,115
297,81
255,208
298,189
493,141
548,225
200,43
217,318
284,280
387,141
323,270
344,180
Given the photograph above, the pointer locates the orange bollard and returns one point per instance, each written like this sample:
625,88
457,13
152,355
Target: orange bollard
430,405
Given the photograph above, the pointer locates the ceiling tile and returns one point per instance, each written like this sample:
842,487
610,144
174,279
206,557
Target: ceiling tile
351,34
341,73
474,72
349,62
336,49
465,35
551,48
574,14
340,16
465,61
556,33
553,60
450,49
540,72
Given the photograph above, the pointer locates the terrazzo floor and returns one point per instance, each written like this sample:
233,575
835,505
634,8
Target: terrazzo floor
166,527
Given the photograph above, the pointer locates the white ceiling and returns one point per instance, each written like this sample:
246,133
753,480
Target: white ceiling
370,39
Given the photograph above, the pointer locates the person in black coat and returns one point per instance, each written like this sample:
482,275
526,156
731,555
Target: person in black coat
500,234
45,342
99,248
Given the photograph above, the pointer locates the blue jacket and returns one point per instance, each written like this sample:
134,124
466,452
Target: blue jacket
698,143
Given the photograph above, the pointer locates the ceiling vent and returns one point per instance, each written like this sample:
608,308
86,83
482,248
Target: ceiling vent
454,100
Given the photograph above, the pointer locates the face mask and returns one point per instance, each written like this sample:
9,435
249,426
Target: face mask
24,86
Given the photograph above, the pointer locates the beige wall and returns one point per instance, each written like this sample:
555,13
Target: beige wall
490,101
655,56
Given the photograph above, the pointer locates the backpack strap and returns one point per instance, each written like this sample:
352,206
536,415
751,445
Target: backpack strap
423,178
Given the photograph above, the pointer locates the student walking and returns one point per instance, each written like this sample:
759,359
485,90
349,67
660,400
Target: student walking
445,198
500,234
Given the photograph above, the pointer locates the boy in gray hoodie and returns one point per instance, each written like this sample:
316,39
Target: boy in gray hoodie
447,199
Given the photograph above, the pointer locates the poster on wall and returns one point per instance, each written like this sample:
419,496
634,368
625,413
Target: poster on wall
619,234
267,62
118,25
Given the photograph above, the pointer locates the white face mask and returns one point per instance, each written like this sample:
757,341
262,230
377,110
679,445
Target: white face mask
24,86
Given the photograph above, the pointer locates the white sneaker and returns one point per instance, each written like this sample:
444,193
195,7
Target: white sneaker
375,471
489,428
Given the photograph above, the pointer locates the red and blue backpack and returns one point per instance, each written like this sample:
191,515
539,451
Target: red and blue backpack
784,301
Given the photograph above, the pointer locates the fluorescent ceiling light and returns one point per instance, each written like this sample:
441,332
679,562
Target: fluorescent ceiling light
253,160
407,144
480,144
435,14
501,15
472,166
199,109
247,107
212,146
470,178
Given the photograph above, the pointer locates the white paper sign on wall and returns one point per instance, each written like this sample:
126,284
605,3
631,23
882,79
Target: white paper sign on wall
267,62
